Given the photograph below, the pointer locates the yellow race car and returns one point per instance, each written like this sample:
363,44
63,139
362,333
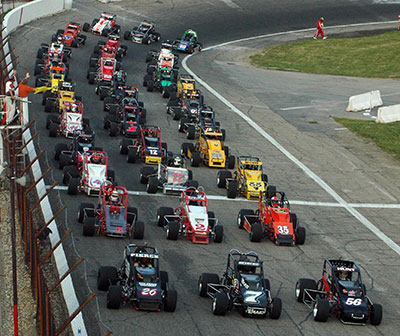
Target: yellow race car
64,93
247,180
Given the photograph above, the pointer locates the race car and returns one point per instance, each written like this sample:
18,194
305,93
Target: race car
272,220
340,292
117,91
111,48
164,61
145,33
138,281
188,43
103,26
247,180
112,216
191,219
68,122
72,35
147,147
171,178
187,106
242,287
88,176
165,49
161,79
55,52
56,100
72,154
103,74
51,81
184,84
208,150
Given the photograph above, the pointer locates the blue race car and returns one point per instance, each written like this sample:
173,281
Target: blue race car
188,43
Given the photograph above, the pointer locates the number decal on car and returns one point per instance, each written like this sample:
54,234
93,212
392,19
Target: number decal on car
199,227
153,151
251,296
283,229
177,177
353,302
149,291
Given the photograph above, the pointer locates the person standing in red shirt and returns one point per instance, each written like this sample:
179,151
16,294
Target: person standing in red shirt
320,29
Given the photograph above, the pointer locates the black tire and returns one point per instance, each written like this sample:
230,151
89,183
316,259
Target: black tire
264,178
161,212
181,124
111,175
191,132
240,218
164,280
184,148
172,230
204,280
165,146
51,119
177,114
230,164
321,310
132,155
271,191
303,284
123,146
81,211
220,303
376,314
146,78
105,275
276,308
211,222
170,301
127,35
256,232
150,85
138,232
232,189
152,185
195,159
113,130
114,297
223,134
145,171
73,185
293,220
58,149
222,175
107,102
65,160
86,27
45,96
300,235
103,93
132,216
218,233
89,226
48,107
53,130
92,76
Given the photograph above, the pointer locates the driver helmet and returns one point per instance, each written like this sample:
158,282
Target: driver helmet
274,201
343,275
177,161
114,196
59,39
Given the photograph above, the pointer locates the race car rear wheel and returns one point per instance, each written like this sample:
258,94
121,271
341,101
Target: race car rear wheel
271,191
170,301
161,212
256,232
150,85
92,76
376,314
50,105
103,93
220,303
132,215
300,235
321,310
221,178
51,118
193,184
127,35
144,174
138,232
165,92
195,159
191,132
114,297
223,134
172,230
204,280
86,27
241,217
218,233
123,146
231,191
113,130
89,226
276,308
81,211
111,175
303,284
211,219
264,178
132,155
58,149
181,124
152,185
65,160
73,185
105,275
231,162
53,129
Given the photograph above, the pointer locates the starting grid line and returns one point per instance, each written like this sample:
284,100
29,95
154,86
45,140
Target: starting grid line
293,202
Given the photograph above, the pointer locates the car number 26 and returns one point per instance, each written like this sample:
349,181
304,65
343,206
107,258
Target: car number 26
353,302
283,229
149,291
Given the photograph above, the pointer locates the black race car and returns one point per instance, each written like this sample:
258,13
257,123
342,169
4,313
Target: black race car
341,293
242,286
145,33
138,281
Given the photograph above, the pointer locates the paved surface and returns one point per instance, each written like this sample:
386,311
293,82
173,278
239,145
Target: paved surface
354,168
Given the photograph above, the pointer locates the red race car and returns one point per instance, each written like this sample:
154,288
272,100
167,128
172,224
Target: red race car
272,220
104,72
112,216
71,36
191,219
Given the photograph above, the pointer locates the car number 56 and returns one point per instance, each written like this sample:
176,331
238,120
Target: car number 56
353,302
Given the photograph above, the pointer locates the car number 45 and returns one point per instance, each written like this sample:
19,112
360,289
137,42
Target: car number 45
353,302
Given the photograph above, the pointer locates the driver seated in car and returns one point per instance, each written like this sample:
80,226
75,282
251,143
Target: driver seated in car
274,202
344,275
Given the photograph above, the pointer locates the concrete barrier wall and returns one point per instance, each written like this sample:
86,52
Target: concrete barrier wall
364,101
388,114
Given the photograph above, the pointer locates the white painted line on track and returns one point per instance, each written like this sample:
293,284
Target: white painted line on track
224,198
230,4
295,108
363,220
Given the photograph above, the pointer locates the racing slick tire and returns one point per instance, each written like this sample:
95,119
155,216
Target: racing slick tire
181,124
191,132
220,303
184,148
149,57
195,159
276,308
45,96
218,233
107,102
51,118
105,275
53,129
49,106
86,123
69,172
38,70
86,27
231,162
164,145
170,301
81,211
90,70
321,310
300,235
271,191
145,171
113,130
117,29
74,43
264,178
303,284
146,40
221,178
58,149
165,92
177,114
132,215
161,212
132,155
204,280
241,217
114,297
39,54
138,232
127,35
226,150
223,134
88,226
164,280
111,175
103,93
65,160
105,32
150,85
73,185
231,189
119,55
152,185
123,146
146,78
193,184
376,314
92,75
172,230
293,219
256,232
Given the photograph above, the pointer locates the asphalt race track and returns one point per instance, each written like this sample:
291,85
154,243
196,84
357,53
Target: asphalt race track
353,168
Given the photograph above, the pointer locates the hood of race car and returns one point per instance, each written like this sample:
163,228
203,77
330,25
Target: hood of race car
115,220
182,46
